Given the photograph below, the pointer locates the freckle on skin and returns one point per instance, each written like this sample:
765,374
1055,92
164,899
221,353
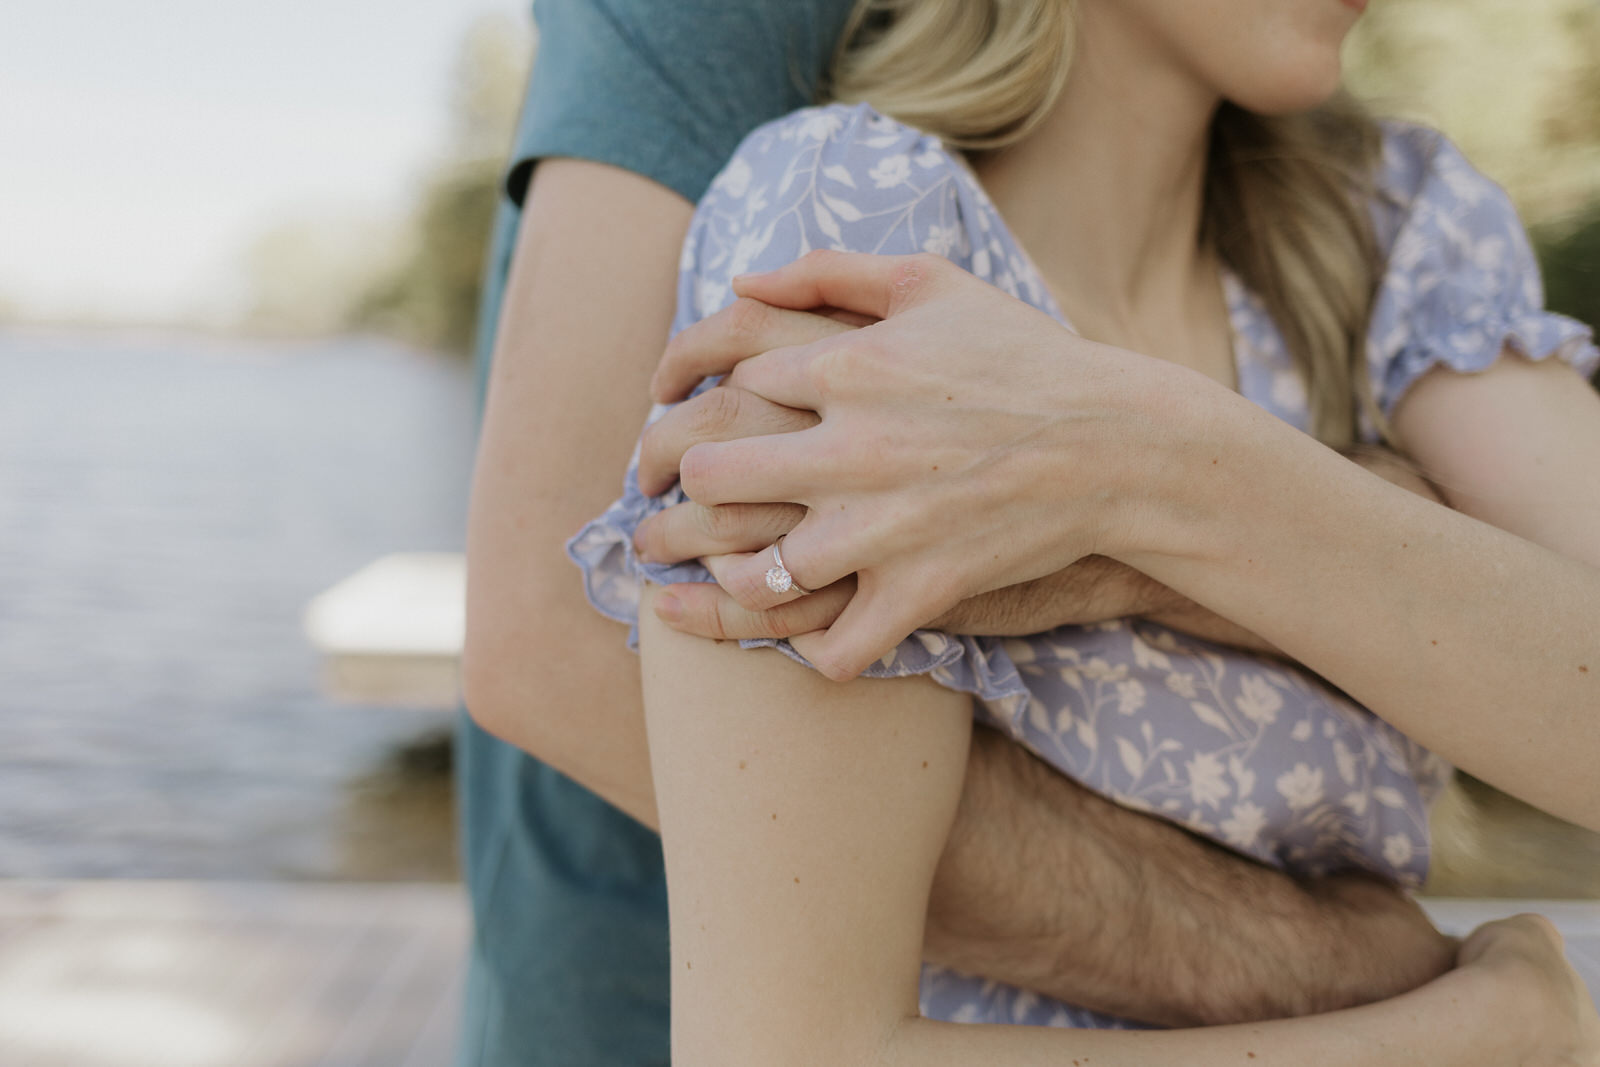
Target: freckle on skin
741,765
1433,642
924,764
797,881
1582,669
935,466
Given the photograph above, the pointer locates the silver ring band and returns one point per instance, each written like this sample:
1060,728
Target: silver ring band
779,580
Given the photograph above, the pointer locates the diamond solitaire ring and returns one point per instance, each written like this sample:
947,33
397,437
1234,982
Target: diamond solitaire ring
779,580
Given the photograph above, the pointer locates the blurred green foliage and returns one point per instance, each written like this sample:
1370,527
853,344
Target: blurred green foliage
1571,264
429,296
1516,86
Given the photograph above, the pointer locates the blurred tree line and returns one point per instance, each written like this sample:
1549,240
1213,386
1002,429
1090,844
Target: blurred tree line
415,278
430,296
1514,82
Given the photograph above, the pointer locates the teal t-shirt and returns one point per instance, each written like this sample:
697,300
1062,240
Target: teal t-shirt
668,88
569,959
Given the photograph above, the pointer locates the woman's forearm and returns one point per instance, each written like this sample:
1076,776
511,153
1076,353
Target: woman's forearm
1461,1020
951,460
1476,642
801,822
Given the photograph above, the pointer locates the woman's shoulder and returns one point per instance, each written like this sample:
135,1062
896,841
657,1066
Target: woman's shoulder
856,145
1425,181
1460,281
842,177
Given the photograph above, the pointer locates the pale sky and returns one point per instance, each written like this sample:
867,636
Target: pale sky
144,144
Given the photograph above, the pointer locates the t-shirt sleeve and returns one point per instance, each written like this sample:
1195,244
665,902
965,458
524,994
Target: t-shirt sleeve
1461,283
667,89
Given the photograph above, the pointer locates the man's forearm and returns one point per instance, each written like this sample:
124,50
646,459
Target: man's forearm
1049,886
587,309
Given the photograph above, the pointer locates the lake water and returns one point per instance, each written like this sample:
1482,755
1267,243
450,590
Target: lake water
167,508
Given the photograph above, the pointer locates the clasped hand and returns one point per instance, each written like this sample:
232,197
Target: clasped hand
959,443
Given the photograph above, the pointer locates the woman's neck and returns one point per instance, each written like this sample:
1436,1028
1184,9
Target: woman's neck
1106,193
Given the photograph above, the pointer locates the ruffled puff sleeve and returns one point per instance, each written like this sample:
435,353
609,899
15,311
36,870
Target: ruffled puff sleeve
1461,284
836,177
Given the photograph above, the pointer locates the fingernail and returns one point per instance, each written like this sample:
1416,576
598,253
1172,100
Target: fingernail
669,608
639,548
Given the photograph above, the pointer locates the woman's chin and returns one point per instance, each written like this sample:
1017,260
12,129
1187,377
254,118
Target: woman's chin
1303,90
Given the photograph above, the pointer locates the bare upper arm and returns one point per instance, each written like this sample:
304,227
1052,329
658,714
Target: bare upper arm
1515,446
587,310
802,820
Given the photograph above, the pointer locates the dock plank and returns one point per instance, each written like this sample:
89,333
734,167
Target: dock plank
174,974
129,974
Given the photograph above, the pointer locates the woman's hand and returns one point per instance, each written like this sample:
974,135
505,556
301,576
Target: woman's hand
968,442
1523,954
1091,590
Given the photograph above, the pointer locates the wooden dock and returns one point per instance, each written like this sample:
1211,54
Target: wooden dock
192,974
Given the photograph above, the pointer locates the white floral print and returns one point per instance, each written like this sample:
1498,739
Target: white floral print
1301,787
1244,826
1259,756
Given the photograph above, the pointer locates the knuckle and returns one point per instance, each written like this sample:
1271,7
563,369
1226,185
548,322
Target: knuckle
653,441
784,517
913,274
696,470
836,366
721,522
833,667
790,420
749,591
713,623
678,346
713,412
1547,929
647,538
772,625
748,321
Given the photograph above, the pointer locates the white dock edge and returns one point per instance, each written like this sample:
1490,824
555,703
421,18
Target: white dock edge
391,633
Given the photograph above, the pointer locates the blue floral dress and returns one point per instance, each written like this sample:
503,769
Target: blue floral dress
1254,754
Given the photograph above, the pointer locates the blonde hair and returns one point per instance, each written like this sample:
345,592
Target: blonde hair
1285,196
